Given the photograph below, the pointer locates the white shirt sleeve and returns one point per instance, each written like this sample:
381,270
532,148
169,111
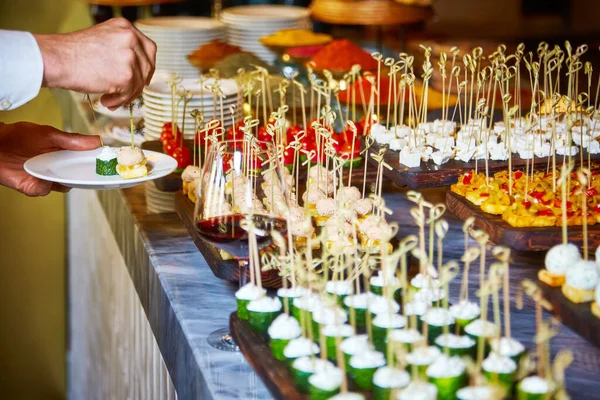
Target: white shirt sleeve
21,69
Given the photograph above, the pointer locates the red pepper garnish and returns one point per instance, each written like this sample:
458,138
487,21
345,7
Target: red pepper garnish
545,213
537,195
546,202
484,195
570,214
518,175
467,179
591,192
527,204
504,187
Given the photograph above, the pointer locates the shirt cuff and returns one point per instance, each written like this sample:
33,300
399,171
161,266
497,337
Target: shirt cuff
21,68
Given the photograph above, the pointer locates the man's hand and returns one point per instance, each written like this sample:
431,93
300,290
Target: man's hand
112,58
23,140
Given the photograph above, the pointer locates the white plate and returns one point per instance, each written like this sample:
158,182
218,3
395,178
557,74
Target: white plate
161,89
77,169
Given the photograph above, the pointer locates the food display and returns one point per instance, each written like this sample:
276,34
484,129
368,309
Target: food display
286,38
342,55
285,181
207,55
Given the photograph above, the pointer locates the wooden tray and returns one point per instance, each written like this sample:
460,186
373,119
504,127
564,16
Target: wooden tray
223,269
578,317
428,174
524,239
274,373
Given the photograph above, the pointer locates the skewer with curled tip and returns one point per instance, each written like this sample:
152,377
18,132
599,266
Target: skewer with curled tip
502,254
562,360
441,229
467,258
583,176
198,121
535,293
435,213
378,57
482,239
448,272
489,287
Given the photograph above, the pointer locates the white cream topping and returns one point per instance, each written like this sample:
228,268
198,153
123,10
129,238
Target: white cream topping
265,304
482,328
348,396
387,320
358,301
465,310
338,330
329,315
453,341
476,393
328,379
310,364
507,347
535,385
388,378
418,390
298,291
249,292
407,336
423,355
421,281
355,344
107,154
308,302
284,327
300,347
341,288
498,364
438,317
446,367
380,304
367,359
417,308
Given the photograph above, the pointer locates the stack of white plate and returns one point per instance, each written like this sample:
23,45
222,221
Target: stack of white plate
157,105
176,37
247,24
158,202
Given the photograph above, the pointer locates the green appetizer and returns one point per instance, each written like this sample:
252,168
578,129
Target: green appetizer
283,329
106,162
245,295
448,375
363,366
533,388
500,370
325,383
387,379
422,358
262,312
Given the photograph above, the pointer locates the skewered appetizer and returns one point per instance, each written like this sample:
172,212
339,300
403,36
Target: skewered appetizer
581,281
106,162
559,260
131,162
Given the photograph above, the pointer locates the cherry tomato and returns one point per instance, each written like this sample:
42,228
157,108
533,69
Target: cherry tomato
288,156
183,157
170,147
292,132
263,135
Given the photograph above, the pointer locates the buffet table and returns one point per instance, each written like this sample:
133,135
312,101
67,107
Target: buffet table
142,301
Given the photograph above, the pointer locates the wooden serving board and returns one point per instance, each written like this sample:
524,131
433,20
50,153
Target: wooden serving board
274,373
524,239
578,317
428,174
223,269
